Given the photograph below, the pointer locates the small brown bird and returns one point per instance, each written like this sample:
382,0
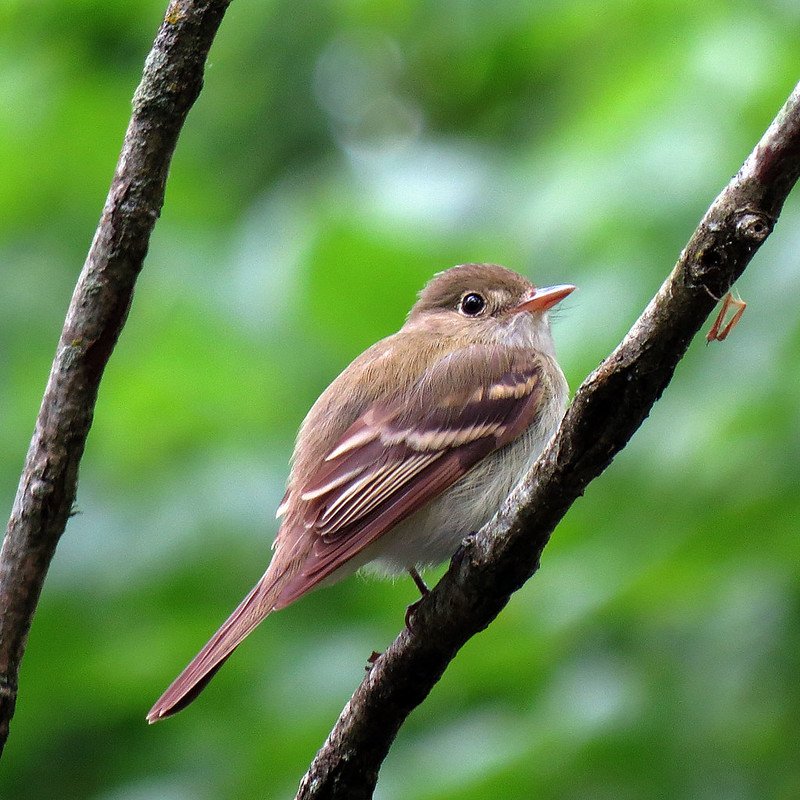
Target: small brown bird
414,446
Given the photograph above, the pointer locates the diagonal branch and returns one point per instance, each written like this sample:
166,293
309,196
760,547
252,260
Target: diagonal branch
171,82
608,408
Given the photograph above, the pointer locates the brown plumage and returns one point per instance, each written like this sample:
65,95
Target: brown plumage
412,447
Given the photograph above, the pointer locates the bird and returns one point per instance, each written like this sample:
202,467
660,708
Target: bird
414,446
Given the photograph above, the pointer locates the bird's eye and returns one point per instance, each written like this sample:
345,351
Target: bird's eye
472,304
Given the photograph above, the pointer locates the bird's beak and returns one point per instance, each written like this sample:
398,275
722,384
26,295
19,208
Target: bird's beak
542,298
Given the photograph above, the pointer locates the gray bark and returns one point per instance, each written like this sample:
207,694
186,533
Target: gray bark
171,82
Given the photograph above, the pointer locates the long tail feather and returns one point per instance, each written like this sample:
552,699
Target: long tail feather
249,613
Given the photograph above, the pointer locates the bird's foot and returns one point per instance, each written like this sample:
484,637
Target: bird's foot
424,592
410,612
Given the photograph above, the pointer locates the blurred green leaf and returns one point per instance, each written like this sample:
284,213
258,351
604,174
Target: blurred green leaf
339,155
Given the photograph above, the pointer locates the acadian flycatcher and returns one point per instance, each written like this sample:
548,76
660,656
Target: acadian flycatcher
414,446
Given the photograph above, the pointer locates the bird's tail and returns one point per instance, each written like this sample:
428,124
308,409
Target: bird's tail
202,668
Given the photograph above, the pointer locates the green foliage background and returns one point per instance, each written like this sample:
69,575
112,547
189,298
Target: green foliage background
340,154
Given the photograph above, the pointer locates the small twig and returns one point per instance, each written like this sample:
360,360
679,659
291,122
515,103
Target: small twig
172,79
608,408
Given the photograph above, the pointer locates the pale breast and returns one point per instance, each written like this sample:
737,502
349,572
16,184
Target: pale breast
432,534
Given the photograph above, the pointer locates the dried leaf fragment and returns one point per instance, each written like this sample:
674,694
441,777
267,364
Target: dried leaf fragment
720,331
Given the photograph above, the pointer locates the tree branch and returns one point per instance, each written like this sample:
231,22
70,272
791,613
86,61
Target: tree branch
608,408
171,82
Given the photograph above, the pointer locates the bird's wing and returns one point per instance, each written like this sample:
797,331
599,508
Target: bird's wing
398,455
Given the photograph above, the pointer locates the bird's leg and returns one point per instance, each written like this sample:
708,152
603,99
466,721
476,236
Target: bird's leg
417,578
423,590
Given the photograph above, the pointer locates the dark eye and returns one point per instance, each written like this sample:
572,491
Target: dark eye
472,304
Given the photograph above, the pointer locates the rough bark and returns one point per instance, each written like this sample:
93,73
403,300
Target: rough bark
172,79
608,408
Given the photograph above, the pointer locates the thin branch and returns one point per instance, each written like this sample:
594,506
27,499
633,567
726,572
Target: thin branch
608,408
171,82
